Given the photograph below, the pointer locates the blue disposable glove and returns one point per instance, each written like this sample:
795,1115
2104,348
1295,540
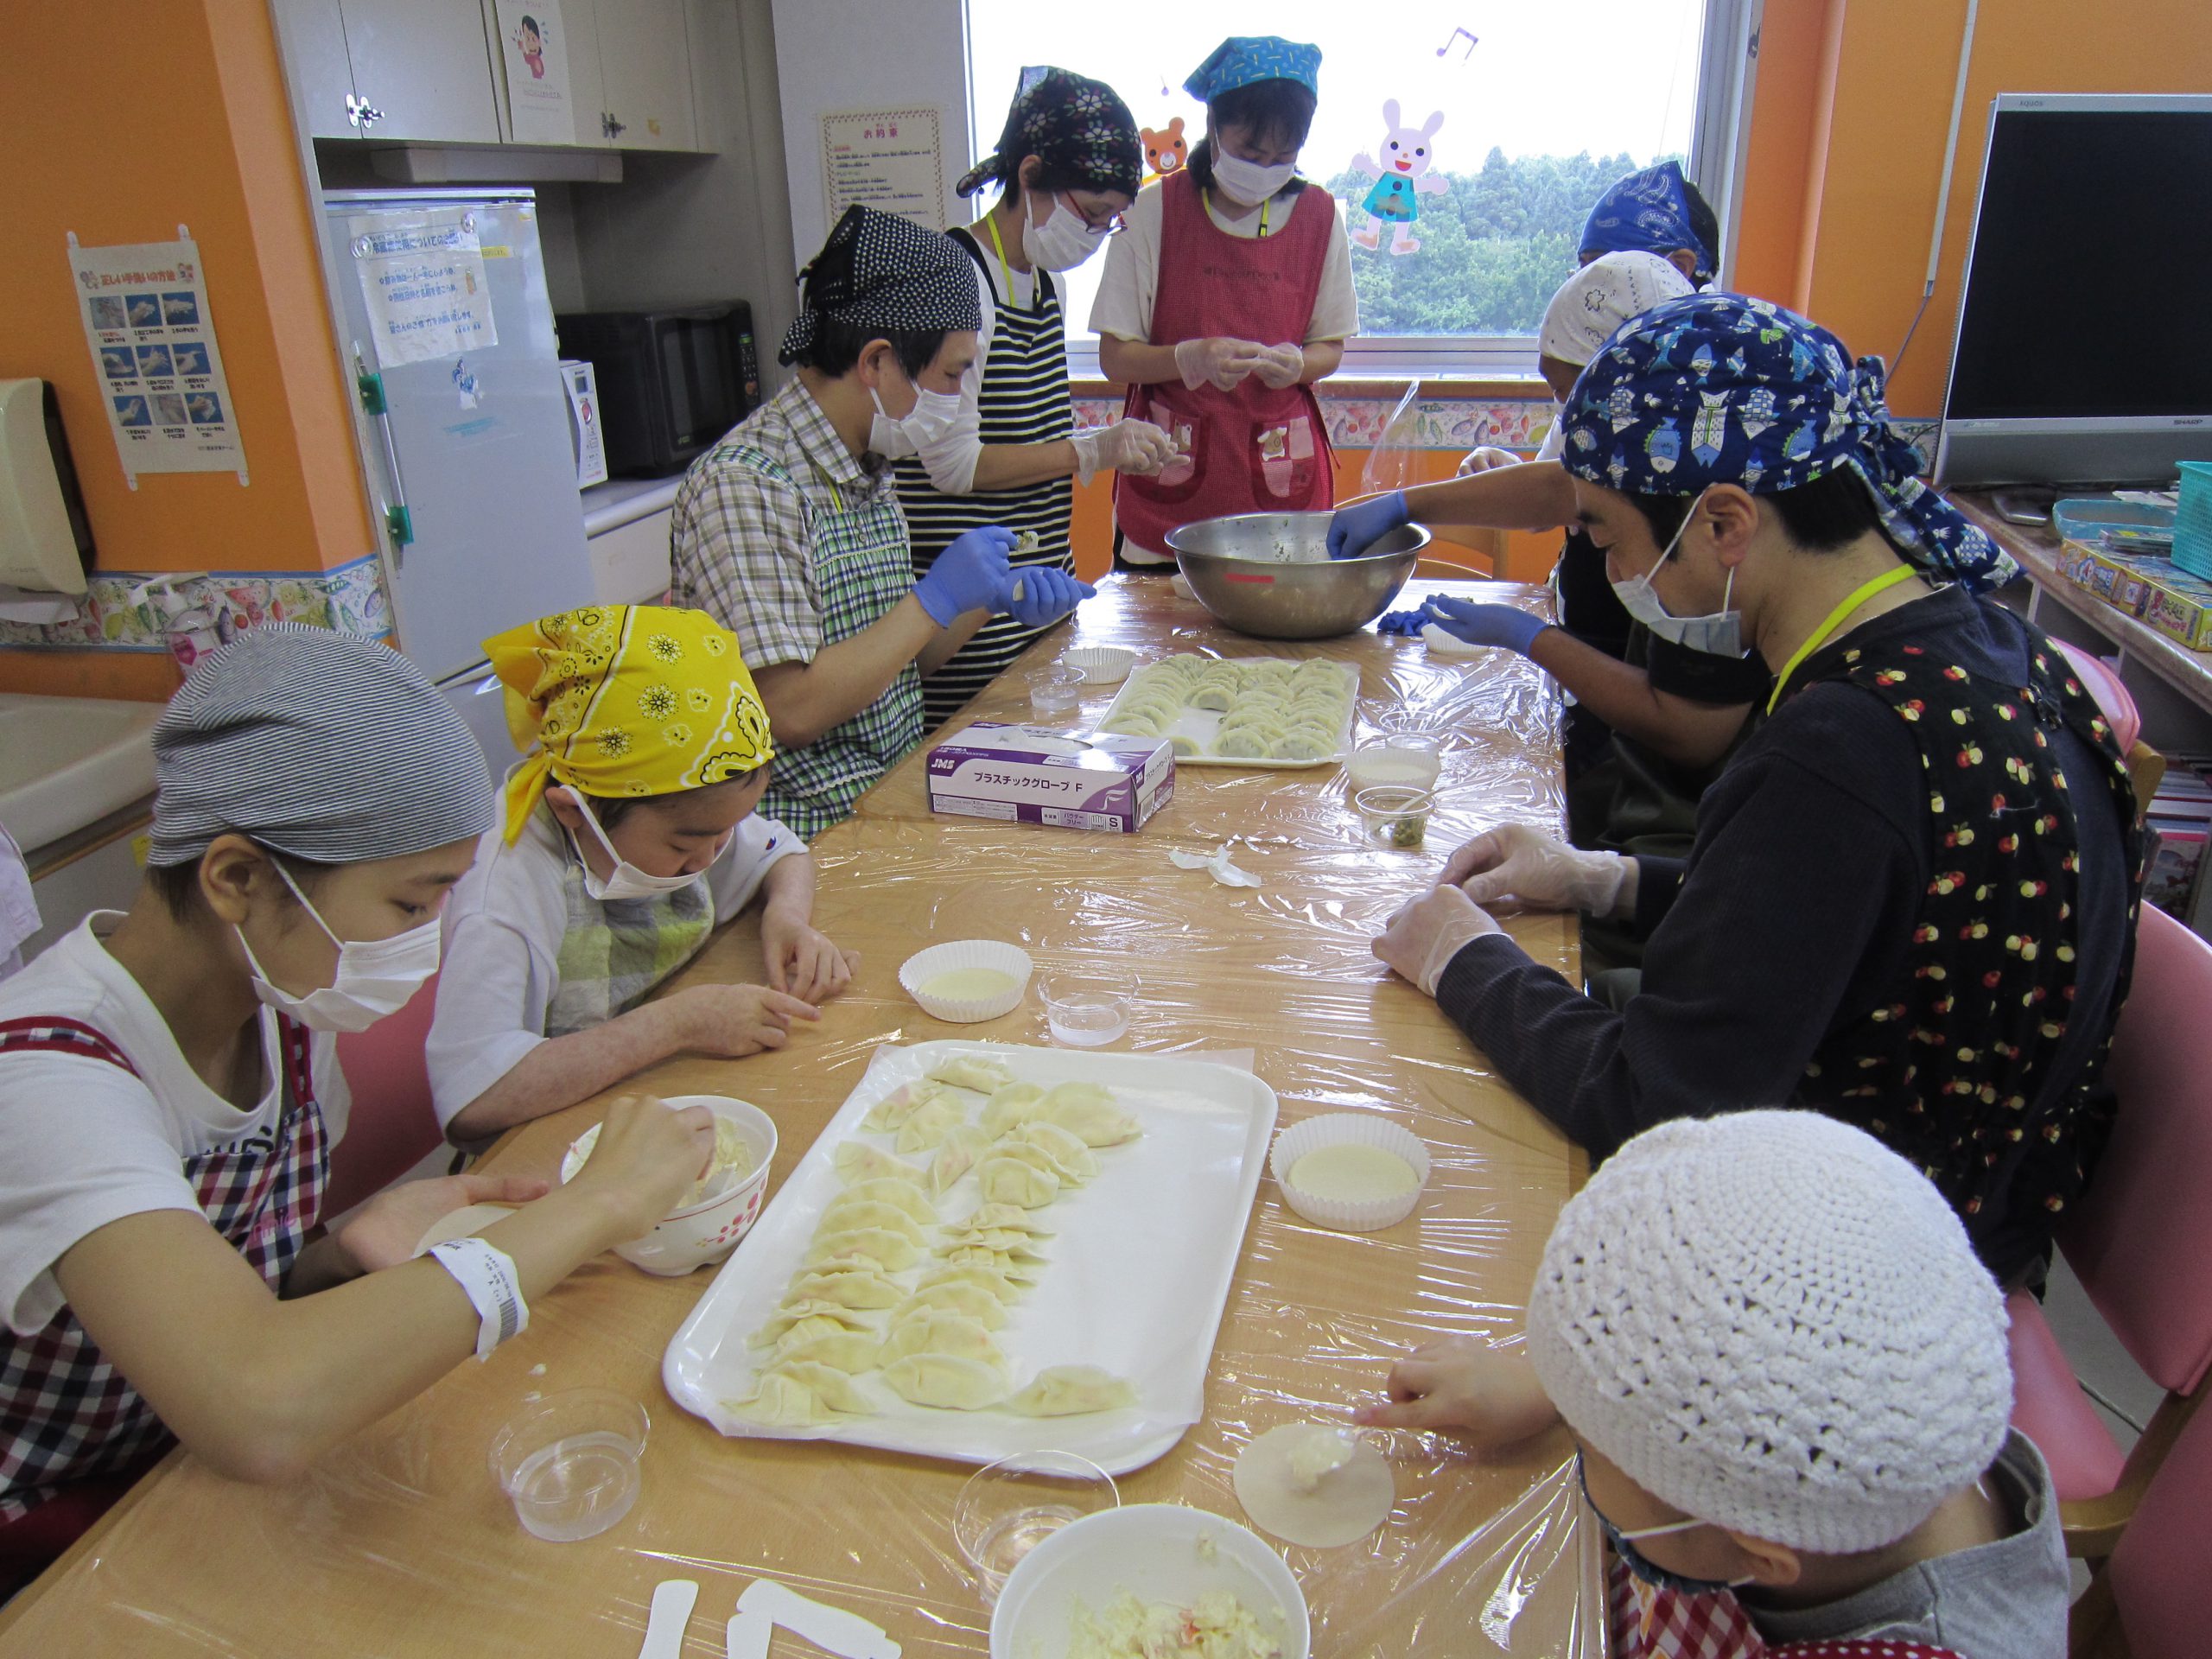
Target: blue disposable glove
1359,527
1412,621
968,575
1503,625
1047,595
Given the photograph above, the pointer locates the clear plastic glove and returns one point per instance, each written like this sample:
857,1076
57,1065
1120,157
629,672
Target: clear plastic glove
968,575
1355,529
1123,447
1489,1395
1503,625
384,1232
1483,459
648,1156
1282,365
1513,862
731,1021
1037,596
1217,360
1425,935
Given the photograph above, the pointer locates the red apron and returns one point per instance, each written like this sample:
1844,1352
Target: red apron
65,1414
1650,1623
1259,449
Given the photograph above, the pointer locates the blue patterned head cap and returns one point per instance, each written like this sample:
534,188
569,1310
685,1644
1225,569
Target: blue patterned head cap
1719,389
1242,59
1647,212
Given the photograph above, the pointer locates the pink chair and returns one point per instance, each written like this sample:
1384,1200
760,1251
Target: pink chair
2140,1242
392,1128
2156,1574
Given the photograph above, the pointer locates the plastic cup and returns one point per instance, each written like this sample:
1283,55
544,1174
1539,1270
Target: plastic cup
569,1462
1054,691
1009,1508
1396,814
1087,1007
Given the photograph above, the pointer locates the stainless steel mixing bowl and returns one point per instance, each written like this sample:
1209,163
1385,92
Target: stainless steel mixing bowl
1269,574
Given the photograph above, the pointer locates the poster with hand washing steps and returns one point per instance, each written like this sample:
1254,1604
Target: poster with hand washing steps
160,372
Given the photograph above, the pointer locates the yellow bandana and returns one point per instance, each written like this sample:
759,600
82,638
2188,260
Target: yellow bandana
616,700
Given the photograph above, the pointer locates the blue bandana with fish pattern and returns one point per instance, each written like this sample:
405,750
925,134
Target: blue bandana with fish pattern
1719,389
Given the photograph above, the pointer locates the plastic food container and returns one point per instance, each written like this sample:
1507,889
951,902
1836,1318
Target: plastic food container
1409,760
1349,1128
1158,1551
927,967
1396,814
1101,664
1009,1508
1085,1007
708,1231
1054,691
569,1462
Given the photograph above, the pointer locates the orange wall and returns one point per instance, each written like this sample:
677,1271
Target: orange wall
1846,147
90,152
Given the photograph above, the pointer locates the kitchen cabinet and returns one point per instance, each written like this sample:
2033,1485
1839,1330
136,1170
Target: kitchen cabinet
419,70
630,73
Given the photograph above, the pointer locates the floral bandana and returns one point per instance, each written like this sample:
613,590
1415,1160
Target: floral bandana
1074,124
1719,389
1647,212
625,700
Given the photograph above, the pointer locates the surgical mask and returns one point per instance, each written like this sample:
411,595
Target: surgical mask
1721,635
931,416
375,977
1642,1566
627,882
1248,181
1062,242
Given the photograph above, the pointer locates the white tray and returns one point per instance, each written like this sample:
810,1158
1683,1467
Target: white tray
1204,725
1139,1266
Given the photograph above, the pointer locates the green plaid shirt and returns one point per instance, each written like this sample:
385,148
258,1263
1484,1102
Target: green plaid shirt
780,535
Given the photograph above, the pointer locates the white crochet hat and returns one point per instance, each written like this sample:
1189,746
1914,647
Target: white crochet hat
1770,1321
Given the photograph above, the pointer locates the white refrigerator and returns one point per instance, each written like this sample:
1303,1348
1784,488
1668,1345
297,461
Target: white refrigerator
448,334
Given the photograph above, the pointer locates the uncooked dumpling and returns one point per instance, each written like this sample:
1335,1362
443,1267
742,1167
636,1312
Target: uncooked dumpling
849,1213
955,1154
791,1315
1010,1108
901,1103
1071,1390
1006,1180
1072,1159
1130,725
836,1347
781,1401
851,1289
988,1281
1005,1263
986,1217
978,1072
972,1301
832,1387
1302,746
1242,743
857,1161
1312,1483
930,1124
950,1382
779,1332
1087,1111
1023,1150
895,1252
939,1332
900,1194
1212,695
1017,1247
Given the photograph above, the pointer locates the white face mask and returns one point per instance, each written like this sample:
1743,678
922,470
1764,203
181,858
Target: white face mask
375,977
1248,182
628,882
931,416
1721,635
1062,242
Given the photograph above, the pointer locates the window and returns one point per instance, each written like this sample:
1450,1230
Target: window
1545,109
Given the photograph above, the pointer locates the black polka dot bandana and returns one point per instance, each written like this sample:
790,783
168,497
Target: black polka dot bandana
878,270
1074,124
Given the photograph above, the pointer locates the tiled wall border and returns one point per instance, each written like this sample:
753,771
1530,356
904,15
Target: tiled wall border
113,616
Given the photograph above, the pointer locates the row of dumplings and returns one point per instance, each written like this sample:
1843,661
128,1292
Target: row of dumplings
939,1346
1271,709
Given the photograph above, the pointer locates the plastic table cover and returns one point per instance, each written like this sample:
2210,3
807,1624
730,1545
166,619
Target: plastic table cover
398,1542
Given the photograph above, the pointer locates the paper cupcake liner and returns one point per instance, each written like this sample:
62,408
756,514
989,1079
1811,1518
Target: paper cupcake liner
1374,764
1101,664
1341,1128
925,965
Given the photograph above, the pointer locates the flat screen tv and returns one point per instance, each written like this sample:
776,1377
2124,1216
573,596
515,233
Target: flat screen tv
2084,348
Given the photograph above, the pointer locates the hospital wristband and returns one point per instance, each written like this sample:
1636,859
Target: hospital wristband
487,1274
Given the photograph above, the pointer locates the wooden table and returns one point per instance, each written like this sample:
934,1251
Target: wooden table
399,1543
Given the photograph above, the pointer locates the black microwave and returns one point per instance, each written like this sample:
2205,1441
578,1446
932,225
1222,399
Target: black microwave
671,383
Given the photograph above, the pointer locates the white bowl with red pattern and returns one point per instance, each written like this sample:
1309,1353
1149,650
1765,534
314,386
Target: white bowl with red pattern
706,1232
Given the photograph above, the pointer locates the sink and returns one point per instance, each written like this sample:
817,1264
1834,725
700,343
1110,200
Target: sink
66,763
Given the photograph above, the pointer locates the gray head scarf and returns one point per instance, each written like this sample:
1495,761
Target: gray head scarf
333,749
